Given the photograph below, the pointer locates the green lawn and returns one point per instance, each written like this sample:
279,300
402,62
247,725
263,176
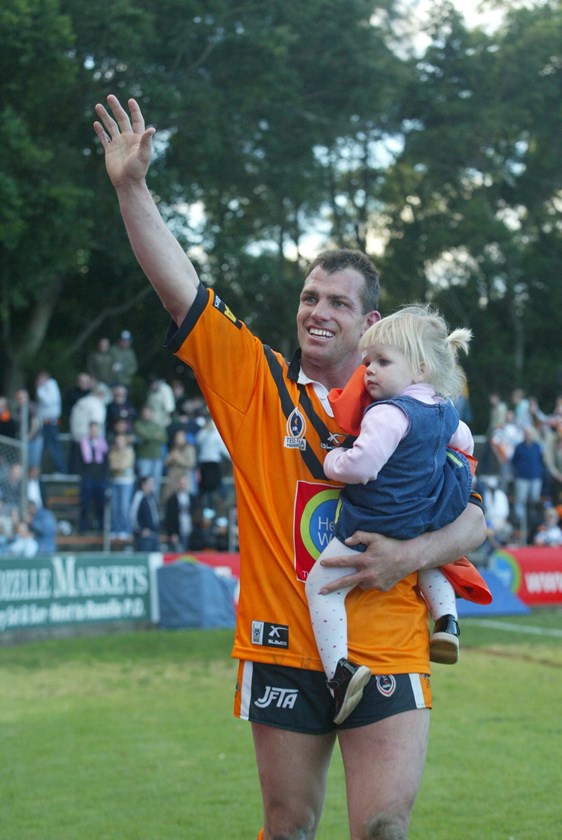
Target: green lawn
131,737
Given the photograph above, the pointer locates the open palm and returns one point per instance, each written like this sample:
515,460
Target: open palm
126,141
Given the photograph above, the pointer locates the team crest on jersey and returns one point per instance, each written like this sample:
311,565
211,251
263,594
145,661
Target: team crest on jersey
386,685
222,307
296,428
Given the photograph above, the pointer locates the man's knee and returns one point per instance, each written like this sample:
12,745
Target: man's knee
284,824
387,827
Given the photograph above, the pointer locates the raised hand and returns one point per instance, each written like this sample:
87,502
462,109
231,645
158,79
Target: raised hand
126,141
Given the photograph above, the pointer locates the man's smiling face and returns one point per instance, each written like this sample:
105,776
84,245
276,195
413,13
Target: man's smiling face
330,320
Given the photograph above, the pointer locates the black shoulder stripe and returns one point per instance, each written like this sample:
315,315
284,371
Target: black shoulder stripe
287,406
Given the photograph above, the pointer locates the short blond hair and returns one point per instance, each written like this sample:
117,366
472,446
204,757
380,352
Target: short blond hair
421,333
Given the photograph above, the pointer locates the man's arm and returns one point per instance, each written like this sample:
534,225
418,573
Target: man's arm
128,152
386,560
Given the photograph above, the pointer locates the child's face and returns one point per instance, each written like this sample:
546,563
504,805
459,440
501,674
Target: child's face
388,372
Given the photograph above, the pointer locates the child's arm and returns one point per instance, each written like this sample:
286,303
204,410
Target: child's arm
462,439
382,429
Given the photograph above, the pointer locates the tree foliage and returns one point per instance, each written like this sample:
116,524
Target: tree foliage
281,123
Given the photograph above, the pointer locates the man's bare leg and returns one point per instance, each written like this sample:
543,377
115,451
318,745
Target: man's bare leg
293,770
384,764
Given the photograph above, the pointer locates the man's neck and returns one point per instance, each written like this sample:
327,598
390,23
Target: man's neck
331,377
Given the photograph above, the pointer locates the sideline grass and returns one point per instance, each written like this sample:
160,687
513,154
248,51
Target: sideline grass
131,737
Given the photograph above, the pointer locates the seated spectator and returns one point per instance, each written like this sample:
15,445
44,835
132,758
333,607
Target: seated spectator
43,525
178,515
23,543
92,469
496,506
145,517
549,531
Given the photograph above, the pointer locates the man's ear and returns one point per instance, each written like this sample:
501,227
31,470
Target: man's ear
370,319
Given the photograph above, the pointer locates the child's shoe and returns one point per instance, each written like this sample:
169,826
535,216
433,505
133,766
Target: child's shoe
347,687
444,643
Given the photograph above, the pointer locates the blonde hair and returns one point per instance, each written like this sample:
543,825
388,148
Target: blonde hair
421,333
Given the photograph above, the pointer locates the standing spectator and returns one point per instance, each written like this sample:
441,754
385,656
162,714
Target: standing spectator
180,460
211,452
178,515
122,475
24,407
49,407
145,517
92,468
161,400
521,412
10,487
7,423
88,409
553,462
528,470
498,411
100,362
81,388
503,441
120,412
124,361
34,493
150,439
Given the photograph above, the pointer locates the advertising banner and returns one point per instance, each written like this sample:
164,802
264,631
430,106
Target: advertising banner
56,590
533,573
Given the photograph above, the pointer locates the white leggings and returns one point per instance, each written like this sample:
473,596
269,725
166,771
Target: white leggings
327,612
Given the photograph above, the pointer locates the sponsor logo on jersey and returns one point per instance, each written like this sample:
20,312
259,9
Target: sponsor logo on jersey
296,428
386,685
334,440
270,635
315,510
219,304
282,698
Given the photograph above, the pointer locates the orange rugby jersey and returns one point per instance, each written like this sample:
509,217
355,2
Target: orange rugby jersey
278,433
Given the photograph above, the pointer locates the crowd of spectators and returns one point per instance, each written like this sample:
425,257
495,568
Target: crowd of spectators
520,471
150,470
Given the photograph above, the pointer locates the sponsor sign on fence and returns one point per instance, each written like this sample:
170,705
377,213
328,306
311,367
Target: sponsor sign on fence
533,573
48,592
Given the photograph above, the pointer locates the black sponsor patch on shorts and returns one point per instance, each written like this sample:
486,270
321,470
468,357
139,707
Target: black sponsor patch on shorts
270,635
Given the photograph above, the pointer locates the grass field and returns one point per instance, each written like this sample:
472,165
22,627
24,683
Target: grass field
131,737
